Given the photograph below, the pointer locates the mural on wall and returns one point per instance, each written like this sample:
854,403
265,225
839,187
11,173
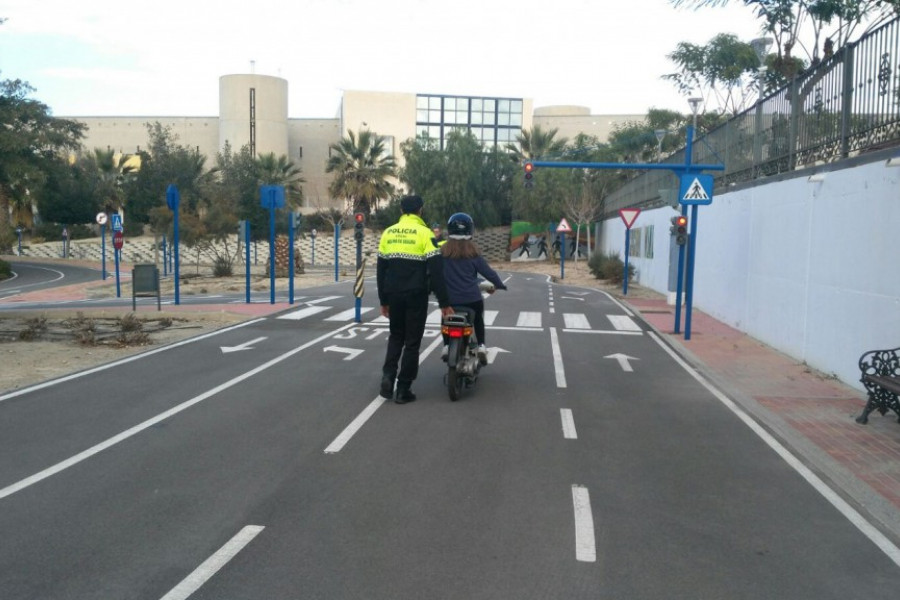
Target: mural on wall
531,241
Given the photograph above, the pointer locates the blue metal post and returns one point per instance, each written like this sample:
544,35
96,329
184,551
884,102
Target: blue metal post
118,286
272,254
692,250
103,252
680,285
337,239
627,246
247,254
291,259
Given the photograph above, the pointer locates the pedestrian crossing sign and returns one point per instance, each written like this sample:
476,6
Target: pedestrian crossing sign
563,226
695,188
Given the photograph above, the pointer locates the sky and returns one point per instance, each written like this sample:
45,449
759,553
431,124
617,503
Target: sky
164,58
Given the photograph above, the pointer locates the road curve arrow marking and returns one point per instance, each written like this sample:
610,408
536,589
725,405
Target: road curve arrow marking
350,352
244,346
623,361
492,354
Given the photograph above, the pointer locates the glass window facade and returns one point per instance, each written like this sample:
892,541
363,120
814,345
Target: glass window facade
493,121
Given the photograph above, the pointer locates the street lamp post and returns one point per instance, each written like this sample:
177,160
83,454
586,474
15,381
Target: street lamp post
761,47
660,135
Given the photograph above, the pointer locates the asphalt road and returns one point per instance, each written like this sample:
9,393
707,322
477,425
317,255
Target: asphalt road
589,461
30,277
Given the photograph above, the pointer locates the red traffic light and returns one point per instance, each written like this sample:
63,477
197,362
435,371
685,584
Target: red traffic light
359,217
681,221
529,167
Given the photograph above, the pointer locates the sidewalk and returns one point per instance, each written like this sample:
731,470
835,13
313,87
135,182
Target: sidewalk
811,414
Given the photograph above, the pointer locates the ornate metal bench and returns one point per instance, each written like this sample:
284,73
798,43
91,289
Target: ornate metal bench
881,376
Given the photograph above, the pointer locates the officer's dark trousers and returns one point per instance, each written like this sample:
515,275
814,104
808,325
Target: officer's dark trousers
407,325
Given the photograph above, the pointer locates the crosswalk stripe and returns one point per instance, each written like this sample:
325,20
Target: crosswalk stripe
434,318
623,323
304,312
350,313
576,321
529,319
490,316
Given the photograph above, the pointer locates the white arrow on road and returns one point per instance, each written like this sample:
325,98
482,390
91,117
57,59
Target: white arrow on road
350,352
244,346
623,361
570,298
492,354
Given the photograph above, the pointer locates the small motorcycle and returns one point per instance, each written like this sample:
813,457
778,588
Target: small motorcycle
462,358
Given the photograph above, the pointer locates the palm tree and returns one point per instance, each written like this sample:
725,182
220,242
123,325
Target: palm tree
281,171
361,171
111,170
536,143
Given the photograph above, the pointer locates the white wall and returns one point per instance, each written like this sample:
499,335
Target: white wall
811,269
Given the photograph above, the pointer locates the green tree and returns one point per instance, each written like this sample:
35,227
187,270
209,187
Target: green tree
361,171
463,177
165,162
71,193
281,171
544,202
31,141
111,170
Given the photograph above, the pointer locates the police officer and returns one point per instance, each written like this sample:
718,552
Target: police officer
408,260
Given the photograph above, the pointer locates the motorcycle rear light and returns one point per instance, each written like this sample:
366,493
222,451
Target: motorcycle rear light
456,332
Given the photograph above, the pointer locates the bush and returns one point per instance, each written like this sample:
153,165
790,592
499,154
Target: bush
609,267
5,270
223,267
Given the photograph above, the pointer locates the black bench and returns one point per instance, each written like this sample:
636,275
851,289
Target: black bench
881,376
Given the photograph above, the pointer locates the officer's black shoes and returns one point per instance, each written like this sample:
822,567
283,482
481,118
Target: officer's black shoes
387,387
404,395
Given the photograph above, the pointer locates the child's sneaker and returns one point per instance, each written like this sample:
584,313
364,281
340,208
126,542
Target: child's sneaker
482,354
445,353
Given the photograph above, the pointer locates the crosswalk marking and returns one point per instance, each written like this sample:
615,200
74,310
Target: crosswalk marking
623,323
525,320
529,319
304,312
350,313
576,321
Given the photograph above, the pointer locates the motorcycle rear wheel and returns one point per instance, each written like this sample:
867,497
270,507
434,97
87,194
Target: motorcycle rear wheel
454,384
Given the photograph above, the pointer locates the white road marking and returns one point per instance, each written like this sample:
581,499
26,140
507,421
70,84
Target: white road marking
623,323
851,514
434,317
490,316
529,319
576,321
557,359
84,455
350,313
47,384
304,312
211,565
585,546
568,424
350,430
606,331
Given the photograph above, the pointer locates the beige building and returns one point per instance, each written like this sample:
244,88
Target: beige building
253,111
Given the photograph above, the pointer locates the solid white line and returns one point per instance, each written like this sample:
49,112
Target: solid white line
585,546
84,455
557,359
211,565
568,424
850,513
350,430
134,357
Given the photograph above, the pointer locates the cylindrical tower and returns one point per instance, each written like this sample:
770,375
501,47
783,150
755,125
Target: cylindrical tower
253,109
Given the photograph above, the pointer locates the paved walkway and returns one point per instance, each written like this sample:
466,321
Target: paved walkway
811,414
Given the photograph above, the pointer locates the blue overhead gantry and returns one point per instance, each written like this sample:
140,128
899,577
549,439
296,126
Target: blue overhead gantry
695,188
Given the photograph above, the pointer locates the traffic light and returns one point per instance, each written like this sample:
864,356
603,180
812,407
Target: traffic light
529,175
359,227
679,229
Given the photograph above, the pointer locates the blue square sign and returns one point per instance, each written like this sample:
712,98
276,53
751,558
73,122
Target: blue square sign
271,196
695,188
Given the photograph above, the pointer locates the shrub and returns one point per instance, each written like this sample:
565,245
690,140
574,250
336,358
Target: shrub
5,270
223,267
609,267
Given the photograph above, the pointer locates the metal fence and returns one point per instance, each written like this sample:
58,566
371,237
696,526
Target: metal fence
847,105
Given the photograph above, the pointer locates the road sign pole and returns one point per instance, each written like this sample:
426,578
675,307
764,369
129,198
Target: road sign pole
103,252
627,246
291,258
692,250
337,239
562,256
118,285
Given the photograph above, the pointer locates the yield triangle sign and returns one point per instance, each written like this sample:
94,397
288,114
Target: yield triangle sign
629,216
563,226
